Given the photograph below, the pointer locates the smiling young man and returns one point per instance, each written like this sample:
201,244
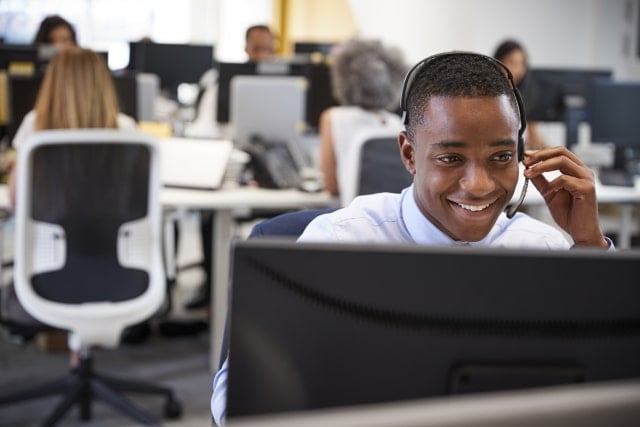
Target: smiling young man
462,144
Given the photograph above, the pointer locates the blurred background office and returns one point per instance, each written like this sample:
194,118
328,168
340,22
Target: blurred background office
572,33
595,35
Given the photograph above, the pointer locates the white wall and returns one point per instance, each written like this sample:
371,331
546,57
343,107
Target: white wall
571,33
233,19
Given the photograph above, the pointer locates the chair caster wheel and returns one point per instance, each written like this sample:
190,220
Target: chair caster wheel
172,409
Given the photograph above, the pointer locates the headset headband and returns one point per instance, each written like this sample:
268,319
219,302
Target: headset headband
411,75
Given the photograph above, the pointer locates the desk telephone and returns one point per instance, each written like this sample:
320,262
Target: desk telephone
273,164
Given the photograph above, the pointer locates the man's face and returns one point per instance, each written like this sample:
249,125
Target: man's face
464,163
260,45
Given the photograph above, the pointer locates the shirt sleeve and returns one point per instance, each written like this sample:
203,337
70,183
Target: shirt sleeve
219,396
318,230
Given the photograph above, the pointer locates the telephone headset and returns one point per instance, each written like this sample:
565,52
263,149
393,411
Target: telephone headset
406,88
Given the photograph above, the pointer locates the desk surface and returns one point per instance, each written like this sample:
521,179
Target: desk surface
245,197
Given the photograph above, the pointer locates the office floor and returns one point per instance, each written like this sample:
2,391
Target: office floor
181,363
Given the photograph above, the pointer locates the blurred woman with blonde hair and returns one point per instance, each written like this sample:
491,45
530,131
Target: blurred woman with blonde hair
77,92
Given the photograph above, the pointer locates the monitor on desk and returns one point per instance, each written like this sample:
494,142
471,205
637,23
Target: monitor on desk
560,95
25,59
254,97
614,119
329,325
318,93
173,63
312,49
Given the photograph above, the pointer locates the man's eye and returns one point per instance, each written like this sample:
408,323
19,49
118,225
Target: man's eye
504,157
448,159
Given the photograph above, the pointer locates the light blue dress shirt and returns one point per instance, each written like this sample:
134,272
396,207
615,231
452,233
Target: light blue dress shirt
396,218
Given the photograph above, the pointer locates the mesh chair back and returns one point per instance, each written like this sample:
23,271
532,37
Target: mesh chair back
381,169
90,190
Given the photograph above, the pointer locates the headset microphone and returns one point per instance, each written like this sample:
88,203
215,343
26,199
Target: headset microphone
512,209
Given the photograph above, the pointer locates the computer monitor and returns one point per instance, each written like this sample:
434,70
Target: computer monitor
560,95
310,48
614,119
23,91
319,95
173,63
329,325
28,59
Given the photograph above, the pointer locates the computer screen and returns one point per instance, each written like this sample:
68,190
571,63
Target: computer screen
313,47
614,119
23,91
319,95
614,112
560,95
32,57
173,63
329,325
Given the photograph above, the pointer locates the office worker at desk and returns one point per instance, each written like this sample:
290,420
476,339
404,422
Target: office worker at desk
512,54
259,46
56,31
77,92
462,143
365,77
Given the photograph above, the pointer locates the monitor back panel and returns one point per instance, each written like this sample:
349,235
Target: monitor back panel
316,326
270,107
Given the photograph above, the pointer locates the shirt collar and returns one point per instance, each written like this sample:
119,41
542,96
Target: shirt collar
424,232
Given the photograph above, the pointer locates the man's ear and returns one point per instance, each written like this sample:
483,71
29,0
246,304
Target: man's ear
407,152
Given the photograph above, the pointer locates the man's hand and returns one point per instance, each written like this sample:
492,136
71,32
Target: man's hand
571,197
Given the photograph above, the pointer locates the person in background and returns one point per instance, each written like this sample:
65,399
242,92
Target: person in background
56,31
77,92
461,143
512,54
366,77
259,46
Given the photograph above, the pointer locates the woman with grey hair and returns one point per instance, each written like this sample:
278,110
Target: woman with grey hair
366,78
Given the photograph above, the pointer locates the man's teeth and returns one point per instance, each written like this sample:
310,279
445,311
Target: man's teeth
474,208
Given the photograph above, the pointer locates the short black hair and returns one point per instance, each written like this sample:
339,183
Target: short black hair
48,24
506,47
455,75
256,28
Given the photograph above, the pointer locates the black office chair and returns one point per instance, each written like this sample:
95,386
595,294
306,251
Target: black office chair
381,168
289,224
88,255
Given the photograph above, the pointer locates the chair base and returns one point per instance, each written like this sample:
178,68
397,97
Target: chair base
82,385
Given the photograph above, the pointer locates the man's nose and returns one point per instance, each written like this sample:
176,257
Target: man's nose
478,181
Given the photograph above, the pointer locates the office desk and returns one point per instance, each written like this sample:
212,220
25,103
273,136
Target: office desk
226,204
